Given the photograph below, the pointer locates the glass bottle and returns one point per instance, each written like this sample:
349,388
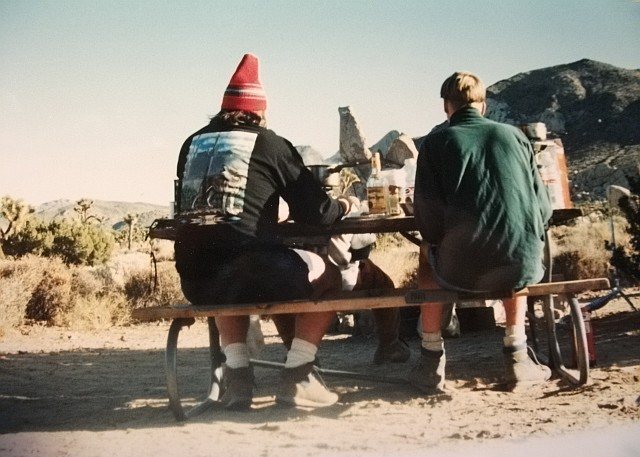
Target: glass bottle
377,189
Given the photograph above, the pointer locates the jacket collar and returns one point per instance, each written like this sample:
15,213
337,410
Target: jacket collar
465,114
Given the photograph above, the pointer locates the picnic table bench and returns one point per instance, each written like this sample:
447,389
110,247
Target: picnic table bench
182,315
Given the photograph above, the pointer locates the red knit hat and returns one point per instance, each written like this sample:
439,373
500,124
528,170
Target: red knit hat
244,91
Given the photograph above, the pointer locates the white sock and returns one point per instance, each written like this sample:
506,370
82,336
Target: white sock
433,341
301,352
237,355
514,335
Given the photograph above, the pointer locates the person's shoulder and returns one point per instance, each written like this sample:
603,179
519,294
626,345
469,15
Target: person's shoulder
200,131
436,135
189,139
273,139
506,129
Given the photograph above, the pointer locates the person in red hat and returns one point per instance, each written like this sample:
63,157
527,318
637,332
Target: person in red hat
236,170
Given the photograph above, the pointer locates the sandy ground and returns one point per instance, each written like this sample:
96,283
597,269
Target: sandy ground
69,393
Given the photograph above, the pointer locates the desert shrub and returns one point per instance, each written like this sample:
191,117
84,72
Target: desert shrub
76,243
124,263
627,258
18,280
581,264
581,249
389,241
94,303
97,312
34,237
52,296
86,282
13,301
162,249
138,286
168,290
138,235
47,290
398,258
141,289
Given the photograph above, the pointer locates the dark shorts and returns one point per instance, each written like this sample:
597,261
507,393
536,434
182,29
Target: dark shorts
495,280
253,276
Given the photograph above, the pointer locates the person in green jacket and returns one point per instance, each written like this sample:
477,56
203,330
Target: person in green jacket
482,211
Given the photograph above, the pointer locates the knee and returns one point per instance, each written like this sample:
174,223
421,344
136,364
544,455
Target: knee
330,281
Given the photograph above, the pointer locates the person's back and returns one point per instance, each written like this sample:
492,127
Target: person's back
234,171
490,231
481,208
238,171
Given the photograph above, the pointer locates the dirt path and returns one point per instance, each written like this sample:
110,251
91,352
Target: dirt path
74,393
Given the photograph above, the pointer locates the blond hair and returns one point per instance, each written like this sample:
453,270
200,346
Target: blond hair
462,89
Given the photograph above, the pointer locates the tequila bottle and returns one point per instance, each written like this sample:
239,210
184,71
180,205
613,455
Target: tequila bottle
377,189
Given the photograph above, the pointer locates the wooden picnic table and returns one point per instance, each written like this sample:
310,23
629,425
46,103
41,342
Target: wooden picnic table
184,314
167,228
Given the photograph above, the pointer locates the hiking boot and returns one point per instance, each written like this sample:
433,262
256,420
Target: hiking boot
521,370
237,388
428,374
395,352
303,386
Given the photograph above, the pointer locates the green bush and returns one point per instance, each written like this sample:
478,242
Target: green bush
34,237
73,242
80,244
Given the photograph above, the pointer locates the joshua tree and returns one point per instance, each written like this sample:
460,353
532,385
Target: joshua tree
15,212
130,219
82,208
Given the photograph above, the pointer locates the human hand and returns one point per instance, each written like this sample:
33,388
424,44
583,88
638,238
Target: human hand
350,204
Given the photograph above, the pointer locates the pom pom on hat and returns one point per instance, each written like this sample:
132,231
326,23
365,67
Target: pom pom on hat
245,91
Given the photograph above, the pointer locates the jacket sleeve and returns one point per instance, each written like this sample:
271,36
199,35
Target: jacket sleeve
307,200
428,196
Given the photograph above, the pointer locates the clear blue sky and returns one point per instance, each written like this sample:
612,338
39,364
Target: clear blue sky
96,97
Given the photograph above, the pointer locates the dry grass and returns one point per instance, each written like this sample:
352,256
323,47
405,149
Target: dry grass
141,289
51,298
18,281
581,248
398,258
43,290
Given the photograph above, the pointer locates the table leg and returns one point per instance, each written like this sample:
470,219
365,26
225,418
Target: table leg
171,367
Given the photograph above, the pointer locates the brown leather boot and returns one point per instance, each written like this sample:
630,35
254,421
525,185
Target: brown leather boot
237,386
522,371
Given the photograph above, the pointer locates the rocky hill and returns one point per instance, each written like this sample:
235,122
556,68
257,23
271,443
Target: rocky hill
592,106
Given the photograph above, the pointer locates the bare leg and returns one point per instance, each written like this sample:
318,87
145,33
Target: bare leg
429,373
311,327
233,329
520,370
430,314
286,326
301,385
515,310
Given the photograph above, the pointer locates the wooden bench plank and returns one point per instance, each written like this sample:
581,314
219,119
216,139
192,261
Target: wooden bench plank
360,300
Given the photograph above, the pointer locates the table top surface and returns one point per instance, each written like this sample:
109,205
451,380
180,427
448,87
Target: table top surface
166,228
